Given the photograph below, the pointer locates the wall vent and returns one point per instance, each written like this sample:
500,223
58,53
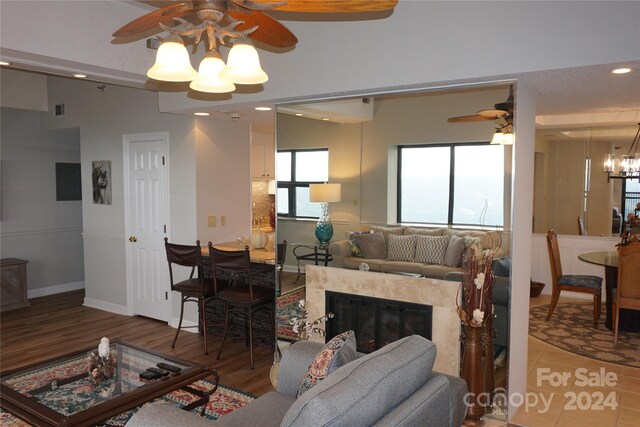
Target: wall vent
59,110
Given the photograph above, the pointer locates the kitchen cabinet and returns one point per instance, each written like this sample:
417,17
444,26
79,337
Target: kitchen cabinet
263,156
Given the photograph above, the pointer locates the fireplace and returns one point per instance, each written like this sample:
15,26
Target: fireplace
376,321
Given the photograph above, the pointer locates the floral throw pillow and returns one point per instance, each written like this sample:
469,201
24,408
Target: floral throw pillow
339,351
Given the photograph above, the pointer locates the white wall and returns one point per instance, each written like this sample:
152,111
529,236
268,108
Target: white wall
223,179
35,226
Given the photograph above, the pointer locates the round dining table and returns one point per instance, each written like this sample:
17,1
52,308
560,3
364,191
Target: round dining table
629,319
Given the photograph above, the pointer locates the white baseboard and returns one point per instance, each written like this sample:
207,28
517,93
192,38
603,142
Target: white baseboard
52,290
192,325
106,306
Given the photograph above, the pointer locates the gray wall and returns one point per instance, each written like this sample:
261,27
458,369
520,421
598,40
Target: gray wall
35,226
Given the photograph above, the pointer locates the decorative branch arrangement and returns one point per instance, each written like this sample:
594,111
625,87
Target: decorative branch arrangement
305,329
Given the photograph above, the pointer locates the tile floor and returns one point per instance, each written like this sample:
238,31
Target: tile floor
557,411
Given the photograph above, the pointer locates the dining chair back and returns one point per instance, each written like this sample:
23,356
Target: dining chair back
571,282
234,286
627,294
196,289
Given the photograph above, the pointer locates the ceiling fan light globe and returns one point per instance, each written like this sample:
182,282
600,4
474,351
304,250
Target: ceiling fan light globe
208,79
243,65
172,63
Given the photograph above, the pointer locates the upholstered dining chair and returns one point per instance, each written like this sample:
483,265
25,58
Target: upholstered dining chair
194,289
627,294
233,270
571,282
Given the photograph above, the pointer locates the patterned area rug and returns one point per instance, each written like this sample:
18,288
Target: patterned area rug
222,402
571,329
288,309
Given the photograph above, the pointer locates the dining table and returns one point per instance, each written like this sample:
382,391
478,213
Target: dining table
629,319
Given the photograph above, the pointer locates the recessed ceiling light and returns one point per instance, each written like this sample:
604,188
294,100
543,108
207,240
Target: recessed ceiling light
263,108
624,70
4,63
325,119
80,76
299,114
201,114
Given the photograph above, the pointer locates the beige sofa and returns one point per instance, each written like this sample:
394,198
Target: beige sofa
343,251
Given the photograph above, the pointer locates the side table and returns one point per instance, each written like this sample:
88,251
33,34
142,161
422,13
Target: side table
311,252
13,284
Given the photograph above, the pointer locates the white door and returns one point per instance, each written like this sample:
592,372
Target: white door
147,215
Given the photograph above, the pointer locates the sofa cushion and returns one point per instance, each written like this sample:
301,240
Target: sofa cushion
373,245
399,231
401,248
501,266
423,231
431,249
374,264
454,252
363,391
339,351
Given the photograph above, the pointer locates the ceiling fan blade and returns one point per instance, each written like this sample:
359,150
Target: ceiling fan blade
269,31
492,114
328,6
146,22
472,118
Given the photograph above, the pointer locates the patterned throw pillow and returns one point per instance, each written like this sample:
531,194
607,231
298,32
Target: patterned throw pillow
431,249
401,248
339,351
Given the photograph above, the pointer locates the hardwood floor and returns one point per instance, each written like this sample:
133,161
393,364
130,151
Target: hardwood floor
59,324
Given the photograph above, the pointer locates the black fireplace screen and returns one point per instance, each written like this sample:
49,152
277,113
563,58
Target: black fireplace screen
375,321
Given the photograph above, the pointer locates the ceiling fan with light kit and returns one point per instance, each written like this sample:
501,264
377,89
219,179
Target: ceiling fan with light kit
501,111
234,22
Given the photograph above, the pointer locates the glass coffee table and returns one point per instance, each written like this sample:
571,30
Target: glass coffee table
60,391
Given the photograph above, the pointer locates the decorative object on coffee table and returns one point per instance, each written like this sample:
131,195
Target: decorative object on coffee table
475,314
101,365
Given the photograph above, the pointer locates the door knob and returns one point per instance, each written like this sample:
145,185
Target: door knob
133,239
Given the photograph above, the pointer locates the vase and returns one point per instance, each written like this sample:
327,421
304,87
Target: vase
472,373
488,371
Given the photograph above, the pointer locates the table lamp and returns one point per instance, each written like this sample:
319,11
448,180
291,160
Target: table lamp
324,193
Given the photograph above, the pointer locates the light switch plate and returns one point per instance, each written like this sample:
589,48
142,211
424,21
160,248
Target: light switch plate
212,221
222,220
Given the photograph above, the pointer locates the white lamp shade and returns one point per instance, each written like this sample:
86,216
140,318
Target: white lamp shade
172,63
502,138
243,65
208,79
325,192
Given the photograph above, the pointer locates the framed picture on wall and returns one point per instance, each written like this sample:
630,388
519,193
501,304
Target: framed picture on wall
101,178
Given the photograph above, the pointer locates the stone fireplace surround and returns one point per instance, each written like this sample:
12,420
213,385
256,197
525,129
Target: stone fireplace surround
438,293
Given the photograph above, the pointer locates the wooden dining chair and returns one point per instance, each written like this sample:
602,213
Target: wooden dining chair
571,282
627,294
233,270
194,289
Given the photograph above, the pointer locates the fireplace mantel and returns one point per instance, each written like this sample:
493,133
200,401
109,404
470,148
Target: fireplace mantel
438,293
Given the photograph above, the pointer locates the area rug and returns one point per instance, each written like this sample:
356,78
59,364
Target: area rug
288,309
571,328
223,401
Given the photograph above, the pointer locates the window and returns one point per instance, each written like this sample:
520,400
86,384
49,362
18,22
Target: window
296,169
449,184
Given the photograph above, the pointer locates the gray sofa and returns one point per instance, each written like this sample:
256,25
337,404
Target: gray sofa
393,386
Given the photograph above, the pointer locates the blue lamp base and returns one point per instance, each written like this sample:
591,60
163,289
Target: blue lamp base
324,233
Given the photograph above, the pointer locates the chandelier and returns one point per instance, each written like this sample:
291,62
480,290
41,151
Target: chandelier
213,76
626,166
